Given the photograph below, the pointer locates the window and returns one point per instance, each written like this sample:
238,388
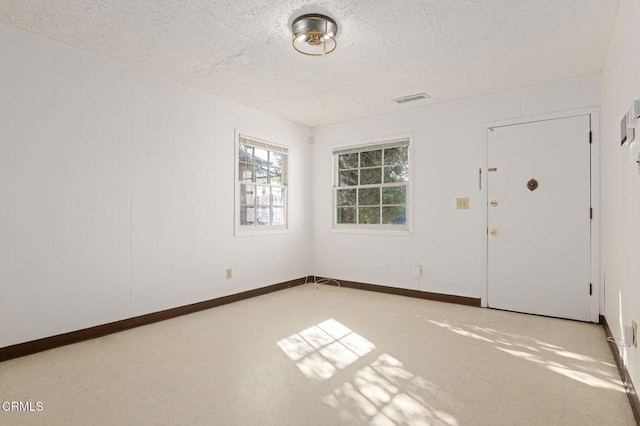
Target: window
370,186
262,185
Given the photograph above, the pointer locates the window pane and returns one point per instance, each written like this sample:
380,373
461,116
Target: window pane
277,196
370,176
277,217
396,174
348,178
394,215
246,172
275,159
262,176
262,216
263,195
368,196
261,156
348,161
247,215
275,175
399,155
346,197
347,215
261,173
369,215
245,153
394,195
371,158
247,194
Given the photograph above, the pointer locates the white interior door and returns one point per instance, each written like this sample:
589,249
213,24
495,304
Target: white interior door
539,240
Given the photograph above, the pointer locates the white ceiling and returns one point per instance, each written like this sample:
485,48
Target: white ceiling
241,50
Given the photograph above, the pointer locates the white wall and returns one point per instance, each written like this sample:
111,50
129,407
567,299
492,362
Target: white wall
116,193
449,148
621,182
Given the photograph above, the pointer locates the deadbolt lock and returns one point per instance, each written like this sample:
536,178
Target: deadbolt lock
494,203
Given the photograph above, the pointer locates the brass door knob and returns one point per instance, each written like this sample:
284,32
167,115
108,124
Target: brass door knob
494,232
494,203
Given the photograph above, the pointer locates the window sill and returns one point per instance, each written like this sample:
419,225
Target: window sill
372,231
264,232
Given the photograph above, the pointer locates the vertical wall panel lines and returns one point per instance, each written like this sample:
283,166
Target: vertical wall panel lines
8,186
66,180
114,192
33,215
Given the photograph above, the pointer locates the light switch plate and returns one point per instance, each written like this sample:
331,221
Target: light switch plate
462,203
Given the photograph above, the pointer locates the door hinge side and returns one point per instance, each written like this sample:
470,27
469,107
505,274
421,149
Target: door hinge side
590,137
590,289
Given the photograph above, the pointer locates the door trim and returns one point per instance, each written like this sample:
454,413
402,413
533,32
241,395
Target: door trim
597,301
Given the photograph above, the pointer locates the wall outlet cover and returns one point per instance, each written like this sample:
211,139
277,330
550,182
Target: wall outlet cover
417,271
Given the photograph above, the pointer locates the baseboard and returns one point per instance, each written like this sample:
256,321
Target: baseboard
624,373
439,297
39,345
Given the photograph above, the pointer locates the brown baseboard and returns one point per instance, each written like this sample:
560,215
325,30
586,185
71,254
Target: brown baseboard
39,345
439,297
624,373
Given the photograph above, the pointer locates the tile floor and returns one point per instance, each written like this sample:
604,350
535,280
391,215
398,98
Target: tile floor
328,356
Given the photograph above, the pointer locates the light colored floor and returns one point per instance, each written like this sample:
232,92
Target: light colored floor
328,356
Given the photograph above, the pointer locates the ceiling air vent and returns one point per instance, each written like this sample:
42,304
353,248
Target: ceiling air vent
411,98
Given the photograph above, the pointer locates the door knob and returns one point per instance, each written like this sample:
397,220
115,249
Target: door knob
494,232
494,203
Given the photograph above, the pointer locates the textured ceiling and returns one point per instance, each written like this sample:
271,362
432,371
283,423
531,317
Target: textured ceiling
241,50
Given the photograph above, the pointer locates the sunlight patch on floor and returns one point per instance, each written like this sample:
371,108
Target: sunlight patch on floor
386,393
382,392
538,352
322,350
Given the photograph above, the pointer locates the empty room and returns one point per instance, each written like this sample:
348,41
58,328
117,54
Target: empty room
412,212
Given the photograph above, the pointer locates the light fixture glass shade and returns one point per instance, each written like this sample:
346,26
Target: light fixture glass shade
314,34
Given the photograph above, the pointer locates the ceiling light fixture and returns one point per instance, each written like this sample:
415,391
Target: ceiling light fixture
314,34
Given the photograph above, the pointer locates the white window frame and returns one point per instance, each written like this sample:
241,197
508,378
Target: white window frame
389,142
255,229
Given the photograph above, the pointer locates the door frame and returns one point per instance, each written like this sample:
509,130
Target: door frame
597,301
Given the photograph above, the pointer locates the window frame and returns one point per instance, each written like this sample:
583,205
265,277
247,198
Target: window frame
255,229
373,145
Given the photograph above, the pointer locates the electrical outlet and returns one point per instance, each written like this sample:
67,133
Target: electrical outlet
229,273
417,271
462,203
634,332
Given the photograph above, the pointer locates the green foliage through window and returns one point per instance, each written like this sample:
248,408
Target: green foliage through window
371,184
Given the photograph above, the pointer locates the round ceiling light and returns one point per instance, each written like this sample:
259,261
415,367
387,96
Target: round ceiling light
314,34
